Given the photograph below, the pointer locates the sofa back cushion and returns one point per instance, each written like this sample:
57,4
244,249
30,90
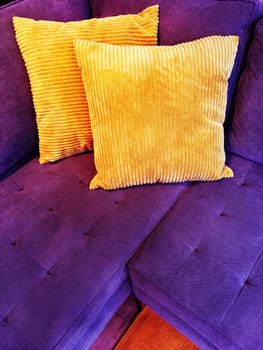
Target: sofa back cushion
246,138
187,20
18,132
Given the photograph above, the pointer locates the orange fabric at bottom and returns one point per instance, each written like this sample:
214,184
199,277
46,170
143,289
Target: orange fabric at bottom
150,332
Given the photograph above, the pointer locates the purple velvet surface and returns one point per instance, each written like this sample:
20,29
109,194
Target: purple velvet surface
204,262
246,137
182,21
18,132
64,248
64,251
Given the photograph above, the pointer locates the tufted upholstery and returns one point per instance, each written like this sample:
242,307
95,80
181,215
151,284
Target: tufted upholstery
64,251
203,264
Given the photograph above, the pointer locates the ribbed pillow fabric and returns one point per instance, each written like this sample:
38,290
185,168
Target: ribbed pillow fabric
57,88
157,113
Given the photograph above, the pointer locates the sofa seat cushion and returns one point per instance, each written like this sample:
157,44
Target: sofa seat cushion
201,268
64,250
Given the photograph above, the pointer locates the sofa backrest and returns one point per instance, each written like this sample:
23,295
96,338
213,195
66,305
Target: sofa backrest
18,132
246,136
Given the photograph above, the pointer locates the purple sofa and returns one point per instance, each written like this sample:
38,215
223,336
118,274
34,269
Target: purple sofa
70,256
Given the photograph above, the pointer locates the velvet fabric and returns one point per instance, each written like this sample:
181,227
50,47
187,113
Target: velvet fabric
18,131
201,268
246,138
187,20
64,251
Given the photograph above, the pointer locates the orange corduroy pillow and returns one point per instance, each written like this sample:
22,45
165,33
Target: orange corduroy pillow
157,113
58,94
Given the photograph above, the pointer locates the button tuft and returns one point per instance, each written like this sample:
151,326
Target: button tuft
248,282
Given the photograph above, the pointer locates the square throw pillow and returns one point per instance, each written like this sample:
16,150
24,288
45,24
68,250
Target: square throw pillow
58,94
157,113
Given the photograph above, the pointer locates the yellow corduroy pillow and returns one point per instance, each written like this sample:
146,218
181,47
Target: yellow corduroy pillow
58,94
157,113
